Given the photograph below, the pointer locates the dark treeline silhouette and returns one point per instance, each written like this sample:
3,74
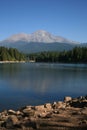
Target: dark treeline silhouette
76,55
10,54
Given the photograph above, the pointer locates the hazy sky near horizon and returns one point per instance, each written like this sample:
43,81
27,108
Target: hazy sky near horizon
67,18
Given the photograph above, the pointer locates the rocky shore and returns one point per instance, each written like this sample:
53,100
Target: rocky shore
70,114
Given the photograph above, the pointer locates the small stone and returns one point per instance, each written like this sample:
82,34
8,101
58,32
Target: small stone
56,112
54,105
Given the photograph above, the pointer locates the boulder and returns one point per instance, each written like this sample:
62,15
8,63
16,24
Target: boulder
42,115
45,115
84,111
60,104
18,113
11,112
40,108
67,99
28,112
29,107
48,106
3,116
5,113
11,121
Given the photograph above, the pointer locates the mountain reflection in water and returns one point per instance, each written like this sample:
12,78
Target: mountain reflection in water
37,83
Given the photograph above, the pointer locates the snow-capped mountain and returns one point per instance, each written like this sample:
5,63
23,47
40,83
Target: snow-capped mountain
37,42
38,36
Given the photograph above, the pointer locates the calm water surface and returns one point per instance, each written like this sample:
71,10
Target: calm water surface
37,83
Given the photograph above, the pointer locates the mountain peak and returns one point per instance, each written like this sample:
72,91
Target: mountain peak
41,32
38,36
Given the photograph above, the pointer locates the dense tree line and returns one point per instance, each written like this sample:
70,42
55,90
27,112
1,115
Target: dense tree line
10,54
76,55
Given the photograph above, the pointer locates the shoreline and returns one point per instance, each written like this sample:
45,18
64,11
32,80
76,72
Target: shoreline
3,62
31,61
70,114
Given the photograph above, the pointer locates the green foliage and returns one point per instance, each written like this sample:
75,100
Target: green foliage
76,55
10,54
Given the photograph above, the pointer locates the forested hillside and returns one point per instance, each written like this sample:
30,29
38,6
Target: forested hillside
76,55
10,54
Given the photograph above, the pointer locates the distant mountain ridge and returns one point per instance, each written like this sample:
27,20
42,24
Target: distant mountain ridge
38,41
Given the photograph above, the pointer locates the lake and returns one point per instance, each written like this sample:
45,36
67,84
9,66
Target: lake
37,83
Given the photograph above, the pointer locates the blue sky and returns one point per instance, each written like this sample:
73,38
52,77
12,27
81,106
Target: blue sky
67,18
